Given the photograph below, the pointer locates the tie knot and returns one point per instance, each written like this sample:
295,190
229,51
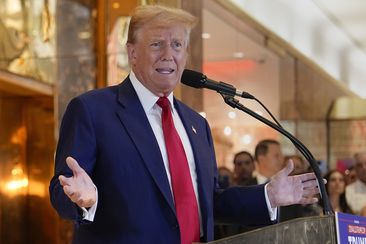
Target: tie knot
163,102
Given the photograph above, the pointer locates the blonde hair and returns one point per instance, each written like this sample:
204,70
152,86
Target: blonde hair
160,16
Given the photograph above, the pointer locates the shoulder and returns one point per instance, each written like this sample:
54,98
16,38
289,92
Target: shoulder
99,93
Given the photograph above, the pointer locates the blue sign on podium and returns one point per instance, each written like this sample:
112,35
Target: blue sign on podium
351,229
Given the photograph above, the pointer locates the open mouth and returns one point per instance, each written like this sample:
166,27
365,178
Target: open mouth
165,70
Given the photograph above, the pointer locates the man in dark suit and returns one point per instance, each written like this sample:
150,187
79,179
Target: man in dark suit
115,173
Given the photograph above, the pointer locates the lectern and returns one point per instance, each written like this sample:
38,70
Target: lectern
307,230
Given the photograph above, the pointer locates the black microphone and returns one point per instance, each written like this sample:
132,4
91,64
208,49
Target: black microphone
198,80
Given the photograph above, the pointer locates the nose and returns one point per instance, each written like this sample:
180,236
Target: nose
167,54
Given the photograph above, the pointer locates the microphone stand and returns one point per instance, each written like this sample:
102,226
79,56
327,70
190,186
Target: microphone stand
230,100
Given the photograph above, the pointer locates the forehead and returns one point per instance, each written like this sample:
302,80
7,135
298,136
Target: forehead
274,147
336,175
242,157
152,30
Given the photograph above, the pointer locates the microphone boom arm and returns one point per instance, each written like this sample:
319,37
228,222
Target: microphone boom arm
230,100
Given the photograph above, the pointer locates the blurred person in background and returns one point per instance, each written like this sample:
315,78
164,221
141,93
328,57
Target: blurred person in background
269,159
335,188
225,177
243,167
356,192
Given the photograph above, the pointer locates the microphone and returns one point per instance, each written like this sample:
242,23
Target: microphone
198,80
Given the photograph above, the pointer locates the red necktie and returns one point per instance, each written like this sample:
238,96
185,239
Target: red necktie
184,196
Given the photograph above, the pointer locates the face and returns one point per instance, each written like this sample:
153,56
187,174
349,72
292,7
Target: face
360,167
272,162
158,57
336,184
243,166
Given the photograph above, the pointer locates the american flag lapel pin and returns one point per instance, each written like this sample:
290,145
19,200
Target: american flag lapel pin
194,130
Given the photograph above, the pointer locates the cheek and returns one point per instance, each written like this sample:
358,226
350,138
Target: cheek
181,59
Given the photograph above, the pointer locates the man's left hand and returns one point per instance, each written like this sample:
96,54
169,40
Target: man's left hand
286,190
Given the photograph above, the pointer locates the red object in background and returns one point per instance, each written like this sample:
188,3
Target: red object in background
343,164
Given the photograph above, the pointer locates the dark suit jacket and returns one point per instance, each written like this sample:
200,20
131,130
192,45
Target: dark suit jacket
108,133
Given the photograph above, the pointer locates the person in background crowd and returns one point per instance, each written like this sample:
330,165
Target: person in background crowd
356,192
269,161
243,167
336,191
225,177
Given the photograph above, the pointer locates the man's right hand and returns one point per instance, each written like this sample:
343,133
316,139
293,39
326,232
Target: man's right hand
79,187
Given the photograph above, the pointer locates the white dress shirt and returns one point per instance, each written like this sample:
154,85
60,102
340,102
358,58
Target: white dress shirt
356,196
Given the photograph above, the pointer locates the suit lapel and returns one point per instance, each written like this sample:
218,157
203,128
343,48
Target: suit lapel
134,119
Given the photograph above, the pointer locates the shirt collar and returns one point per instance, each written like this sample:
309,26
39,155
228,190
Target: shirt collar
146,97
261,179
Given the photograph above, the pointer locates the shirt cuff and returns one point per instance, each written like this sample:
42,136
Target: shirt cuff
272,211
88,214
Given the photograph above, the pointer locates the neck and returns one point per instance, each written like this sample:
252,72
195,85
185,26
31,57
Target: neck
334,200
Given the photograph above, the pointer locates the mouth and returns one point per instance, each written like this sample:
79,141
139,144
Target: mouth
165,71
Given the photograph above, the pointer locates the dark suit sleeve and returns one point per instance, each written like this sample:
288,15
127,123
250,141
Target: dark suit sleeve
77,139
245,205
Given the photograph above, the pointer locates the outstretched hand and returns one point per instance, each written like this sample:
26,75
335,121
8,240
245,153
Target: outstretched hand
286,190
79,187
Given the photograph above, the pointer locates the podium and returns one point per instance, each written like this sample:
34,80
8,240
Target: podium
316,229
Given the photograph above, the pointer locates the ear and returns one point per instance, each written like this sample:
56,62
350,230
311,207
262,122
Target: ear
131,51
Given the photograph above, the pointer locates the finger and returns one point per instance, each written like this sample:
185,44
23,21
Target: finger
308,200
288,169
310,192
310,184
74,196
73,165
64,180
307,177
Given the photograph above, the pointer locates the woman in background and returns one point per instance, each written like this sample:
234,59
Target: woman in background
335,188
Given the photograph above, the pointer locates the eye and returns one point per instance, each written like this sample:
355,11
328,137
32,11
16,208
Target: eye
177,44
155,44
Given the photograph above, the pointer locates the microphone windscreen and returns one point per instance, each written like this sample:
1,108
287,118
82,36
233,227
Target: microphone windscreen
193,78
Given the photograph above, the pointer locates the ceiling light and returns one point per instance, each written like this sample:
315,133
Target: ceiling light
227,130
116,5
206,35
246,139
231,115
238,55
